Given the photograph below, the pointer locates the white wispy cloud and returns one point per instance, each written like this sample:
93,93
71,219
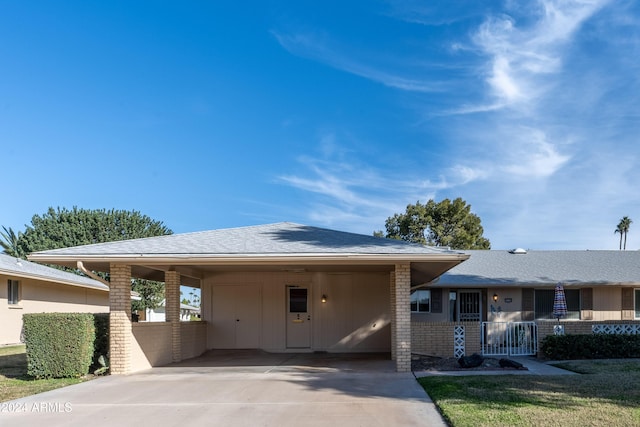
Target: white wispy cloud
524,70
320,48
353,193
520,56
545,145
534,156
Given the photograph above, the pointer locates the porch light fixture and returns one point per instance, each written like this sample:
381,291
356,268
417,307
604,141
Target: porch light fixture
495,297
323,299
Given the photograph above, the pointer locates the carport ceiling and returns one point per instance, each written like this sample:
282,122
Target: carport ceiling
421,272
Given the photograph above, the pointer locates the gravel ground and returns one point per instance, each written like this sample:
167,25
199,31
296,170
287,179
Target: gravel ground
430,363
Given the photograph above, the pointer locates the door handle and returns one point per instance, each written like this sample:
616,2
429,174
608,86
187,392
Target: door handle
309,317
237,320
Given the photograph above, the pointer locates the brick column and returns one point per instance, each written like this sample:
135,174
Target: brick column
402,317
393,314
120,334
172,311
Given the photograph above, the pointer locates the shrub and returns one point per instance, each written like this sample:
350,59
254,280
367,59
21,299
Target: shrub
101,345
594,346
59,345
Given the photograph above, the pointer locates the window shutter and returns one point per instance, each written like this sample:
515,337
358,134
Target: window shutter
627,299
528,308
436,300
627,304
586,296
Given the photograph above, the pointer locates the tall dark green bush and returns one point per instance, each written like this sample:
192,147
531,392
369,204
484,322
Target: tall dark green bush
101,345
59,345
593,346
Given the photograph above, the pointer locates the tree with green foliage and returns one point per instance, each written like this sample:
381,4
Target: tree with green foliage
62,228
446,223
623,229
10,242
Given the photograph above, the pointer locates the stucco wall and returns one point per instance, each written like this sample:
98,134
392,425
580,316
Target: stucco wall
45,297
607,303
508,308
356,316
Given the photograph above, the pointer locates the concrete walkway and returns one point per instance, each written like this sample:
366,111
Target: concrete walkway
249,388
239,389
534,367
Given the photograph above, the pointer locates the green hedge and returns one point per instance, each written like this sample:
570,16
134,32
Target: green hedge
101,344
594,346
59,345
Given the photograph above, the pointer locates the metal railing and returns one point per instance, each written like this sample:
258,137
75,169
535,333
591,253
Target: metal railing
509,338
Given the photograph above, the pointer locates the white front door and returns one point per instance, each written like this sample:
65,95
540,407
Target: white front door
298,317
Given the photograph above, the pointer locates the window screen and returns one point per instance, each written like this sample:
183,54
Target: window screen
544,303
421,301
13,292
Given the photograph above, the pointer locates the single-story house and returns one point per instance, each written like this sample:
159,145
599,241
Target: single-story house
158,314
279,287
497,288
28,287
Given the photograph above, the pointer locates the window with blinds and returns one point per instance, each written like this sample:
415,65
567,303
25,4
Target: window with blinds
544,303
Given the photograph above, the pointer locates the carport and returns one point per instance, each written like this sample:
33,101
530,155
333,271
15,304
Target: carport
279,288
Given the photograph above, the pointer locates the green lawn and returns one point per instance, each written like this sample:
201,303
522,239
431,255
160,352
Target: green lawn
606,393
14,381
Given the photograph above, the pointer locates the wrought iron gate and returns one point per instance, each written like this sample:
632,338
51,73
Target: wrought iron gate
509,338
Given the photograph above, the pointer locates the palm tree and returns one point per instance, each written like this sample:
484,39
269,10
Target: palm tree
10,242
623,229
626,223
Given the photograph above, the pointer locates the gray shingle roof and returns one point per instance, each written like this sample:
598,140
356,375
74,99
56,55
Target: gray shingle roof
545,267
11,266
280,238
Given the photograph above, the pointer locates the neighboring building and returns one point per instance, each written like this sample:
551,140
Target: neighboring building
279,287
27,287
519,285
187,312
497,293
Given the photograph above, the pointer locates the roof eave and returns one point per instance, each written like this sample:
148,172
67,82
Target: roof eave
208,259
34,276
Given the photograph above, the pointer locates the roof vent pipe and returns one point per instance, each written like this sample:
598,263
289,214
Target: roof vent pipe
518,251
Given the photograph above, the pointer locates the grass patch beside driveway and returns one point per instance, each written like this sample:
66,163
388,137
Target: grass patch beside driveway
14,381
606,393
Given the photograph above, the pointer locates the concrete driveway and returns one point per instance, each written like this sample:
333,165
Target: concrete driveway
239,388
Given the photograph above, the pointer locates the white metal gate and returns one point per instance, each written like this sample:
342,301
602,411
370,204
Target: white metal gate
509,338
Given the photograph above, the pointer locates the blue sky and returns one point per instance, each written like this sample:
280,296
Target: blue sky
220,114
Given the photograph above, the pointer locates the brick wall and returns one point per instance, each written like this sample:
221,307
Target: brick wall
194,338
120,335
392,287
402,315
436,338
582,327
172,307
152,346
